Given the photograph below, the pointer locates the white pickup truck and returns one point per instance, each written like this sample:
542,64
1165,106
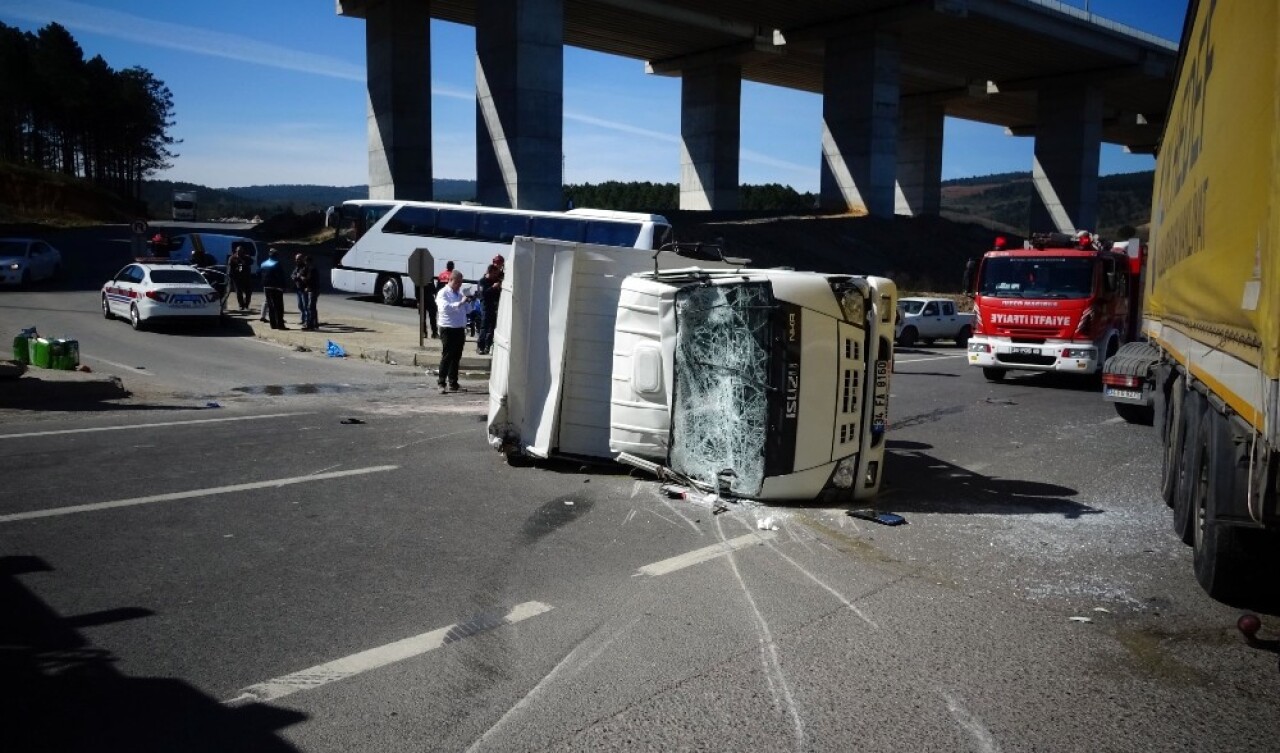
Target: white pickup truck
927,319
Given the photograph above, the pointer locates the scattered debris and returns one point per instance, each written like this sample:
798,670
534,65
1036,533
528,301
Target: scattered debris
351,421
719,509
569,502
212,404
1104,610
999,401
334,350
883,518
392,363
85,368
766,524
674,491
1080,619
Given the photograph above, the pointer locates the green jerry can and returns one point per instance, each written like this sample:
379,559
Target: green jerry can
21,353
39,352
64,354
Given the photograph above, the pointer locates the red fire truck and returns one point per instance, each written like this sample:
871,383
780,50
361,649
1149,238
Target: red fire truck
1060,303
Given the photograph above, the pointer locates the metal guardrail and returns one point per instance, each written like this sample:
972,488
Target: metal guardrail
1096,20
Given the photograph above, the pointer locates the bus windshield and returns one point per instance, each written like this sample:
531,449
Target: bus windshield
1037,277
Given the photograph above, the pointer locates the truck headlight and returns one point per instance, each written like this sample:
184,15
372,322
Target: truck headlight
1077,352
15,266
979,348
854,308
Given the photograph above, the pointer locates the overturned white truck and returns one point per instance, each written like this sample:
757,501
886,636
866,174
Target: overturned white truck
765,384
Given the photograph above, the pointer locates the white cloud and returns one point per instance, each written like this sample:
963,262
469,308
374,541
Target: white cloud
141,30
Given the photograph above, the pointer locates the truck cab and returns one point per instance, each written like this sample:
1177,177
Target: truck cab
1061,304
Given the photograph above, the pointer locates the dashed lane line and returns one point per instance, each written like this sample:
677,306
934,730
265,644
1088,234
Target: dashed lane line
349,666
698,556
73,509
148,426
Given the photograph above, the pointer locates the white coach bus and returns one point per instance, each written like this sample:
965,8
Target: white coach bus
384,233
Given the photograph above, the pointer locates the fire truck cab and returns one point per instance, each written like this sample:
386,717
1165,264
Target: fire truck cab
1060,303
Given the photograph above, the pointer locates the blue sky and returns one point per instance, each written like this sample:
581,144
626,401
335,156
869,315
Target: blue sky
272,91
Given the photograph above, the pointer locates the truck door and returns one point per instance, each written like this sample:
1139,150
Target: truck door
930,320
948,323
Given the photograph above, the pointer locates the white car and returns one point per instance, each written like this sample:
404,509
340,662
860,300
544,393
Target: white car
143,293
27,260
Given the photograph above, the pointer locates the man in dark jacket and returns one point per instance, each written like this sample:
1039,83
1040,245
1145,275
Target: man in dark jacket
240,269
273,282
490,293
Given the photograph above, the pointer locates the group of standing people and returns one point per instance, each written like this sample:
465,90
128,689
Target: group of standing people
451,307
305,278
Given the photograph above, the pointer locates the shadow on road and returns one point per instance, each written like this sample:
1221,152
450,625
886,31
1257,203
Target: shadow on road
66,695
916,481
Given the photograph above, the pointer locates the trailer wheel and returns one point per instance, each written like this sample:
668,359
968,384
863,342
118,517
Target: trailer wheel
389,290
992,374
1222,553
1172,435
1189,461
908,337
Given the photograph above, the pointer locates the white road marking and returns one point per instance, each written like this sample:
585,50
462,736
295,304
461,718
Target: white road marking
439,436
819,581
969,723
73,509
698,556
149,426
934,358
773,673
131,369
348,666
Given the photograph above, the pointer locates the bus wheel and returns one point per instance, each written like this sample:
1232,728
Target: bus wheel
389,290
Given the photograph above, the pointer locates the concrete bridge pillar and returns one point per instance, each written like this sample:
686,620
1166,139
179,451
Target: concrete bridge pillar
520,103
710,135
860,123
920,132
1068,145
398,55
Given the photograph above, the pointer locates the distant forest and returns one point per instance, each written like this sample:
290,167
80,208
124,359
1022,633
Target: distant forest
81,118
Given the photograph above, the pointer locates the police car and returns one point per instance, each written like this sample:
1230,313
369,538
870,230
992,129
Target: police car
144,292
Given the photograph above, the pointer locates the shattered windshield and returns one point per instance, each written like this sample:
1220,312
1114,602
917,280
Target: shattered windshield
1037,277
720,401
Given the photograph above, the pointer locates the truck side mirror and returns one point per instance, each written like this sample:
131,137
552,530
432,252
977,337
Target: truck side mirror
966,285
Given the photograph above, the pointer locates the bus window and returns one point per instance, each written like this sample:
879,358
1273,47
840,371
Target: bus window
355,220
411,220
612,233
559,228
502,227
456,223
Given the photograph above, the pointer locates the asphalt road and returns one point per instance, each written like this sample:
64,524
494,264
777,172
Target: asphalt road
269,575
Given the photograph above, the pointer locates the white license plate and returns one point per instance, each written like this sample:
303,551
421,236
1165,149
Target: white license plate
1124,394
1022,351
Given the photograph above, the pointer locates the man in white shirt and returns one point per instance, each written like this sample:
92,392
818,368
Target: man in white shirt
452,305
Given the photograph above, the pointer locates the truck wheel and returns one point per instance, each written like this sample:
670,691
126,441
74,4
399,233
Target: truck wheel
390,291
1189,461
962,339
908,337
1172,432
1222,553
1135,414
993,375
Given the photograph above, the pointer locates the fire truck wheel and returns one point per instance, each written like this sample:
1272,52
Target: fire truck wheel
1189,461
1172,417
908,337
993,375
962,339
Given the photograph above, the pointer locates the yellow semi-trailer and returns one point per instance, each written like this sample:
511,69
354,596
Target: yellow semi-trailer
1212,294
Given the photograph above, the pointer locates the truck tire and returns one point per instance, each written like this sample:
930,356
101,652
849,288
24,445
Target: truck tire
1190,459
1222,553
389,290
993,374
1171,433
962,339
908,336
